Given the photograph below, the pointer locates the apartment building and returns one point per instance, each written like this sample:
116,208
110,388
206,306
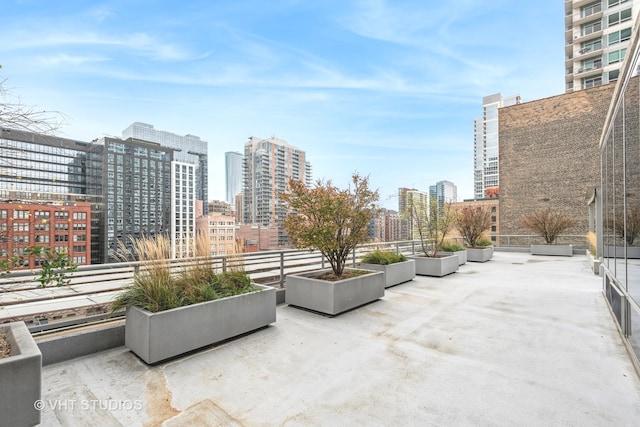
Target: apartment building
268,166
486,170
220,231
597,35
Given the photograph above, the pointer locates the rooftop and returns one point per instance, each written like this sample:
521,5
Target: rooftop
519,340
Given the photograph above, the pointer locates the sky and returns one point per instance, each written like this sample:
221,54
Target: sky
384,88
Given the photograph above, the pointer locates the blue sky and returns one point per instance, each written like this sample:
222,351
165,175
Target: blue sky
388,89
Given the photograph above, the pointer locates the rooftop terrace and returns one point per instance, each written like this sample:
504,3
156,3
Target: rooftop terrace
519,340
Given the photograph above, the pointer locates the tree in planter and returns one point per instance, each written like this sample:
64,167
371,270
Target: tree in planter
432,223
330,219
547,223
472,224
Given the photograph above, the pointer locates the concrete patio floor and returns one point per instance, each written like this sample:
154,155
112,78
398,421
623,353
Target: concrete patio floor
520,340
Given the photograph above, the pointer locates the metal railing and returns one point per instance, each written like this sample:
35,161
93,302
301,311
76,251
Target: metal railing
92,288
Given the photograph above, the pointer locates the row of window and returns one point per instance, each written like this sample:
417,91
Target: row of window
613,19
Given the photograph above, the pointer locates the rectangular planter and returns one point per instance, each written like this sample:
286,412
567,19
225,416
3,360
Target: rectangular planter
553,250
435,266
20,377
479,255
332,298
395,273
633,252
594,263
462,256
158,336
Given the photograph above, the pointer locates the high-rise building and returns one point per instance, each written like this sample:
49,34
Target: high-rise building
233,175
50,195
140,192
597,35
443,192
268,166
409,198
485,143
188,183
187,149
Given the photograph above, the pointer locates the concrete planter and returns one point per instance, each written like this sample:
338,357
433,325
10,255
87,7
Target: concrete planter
332,298
396,273
553,250
462,256
435,266
633,252
479,255
158,336
594,263
20,378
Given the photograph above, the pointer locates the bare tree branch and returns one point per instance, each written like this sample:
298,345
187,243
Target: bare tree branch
16,115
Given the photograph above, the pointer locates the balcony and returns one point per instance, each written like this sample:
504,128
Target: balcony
531,333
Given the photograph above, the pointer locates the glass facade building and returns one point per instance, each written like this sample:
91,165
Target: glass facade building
618,203
137,192
63,174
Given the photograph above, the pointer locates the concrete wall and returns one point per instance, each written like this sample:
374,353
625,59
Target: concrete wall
549,156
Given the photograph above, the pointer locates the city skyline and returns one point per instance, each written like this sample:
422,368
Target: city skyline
385,89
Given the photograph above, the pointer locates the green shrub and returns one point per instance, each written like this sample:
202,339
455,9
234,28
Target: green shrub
155,288
484,242
382,257
451,247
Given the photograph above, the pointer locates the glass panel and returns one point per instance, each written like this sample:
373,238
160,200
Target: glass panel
632,189
618,196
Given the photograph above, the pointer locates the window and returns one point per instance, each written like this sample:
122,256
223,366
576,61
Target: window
21,239
618,17
20,214
61,215
79,226
493,228
79,249
62,226
21,226
42,238
3,214
617,56
619,36
590,64
79,215
592,82
80,238
79,259
42,214
613,75
616,2
62,238
590,9
591,46
591,27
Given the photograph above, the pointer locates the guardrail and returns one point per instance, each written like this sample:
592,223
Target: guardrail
92,288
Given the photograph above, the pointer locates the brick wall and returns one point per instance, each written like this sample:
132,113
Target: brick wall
549,156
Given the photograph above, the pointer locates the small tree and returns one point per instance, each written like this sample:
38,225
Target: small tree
472,223
432,224
547,224
55,266
333,220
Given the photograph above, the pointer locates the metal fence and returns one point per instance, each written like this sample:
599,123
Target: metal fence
92,288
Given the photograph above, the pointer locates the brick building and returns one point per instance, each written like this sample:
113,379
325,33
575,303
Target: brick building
63,226
549,157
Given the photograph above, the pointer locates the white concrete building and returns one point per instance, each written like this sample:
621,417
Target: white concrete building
597,35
